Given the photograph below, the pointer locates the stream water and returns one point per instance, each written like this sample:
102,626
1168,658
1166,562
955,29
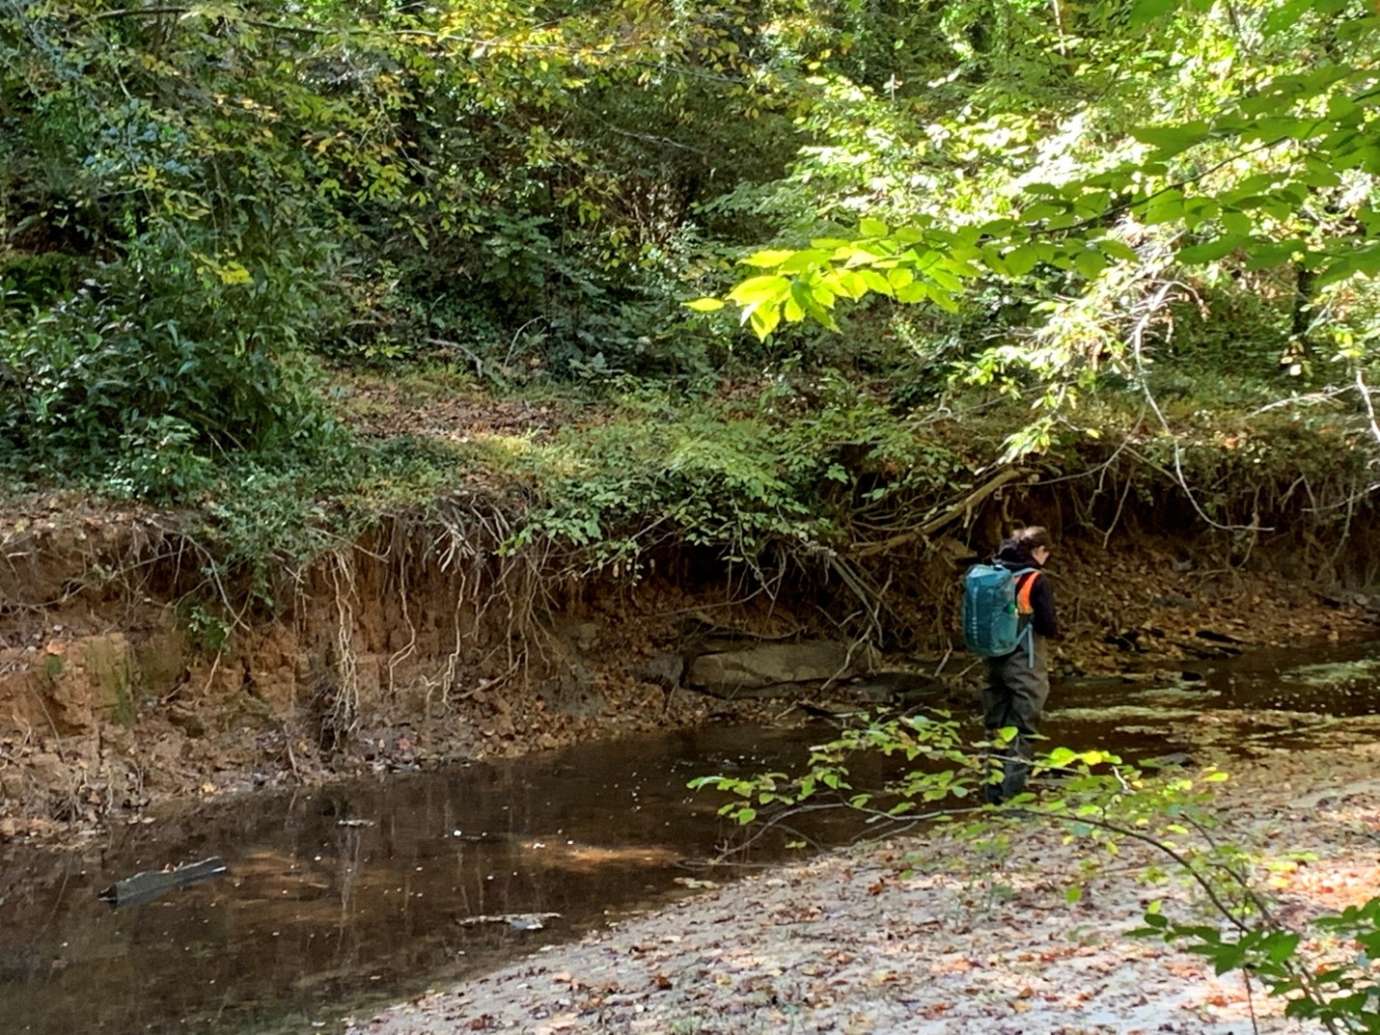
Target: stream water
362,891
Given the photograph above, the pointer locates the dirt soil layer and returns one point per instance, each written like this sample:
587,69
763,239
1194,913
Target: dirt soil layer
848,943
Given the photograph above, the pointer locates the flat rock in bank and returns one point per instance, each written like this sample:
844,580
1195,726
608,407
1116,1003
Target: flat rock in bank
764,666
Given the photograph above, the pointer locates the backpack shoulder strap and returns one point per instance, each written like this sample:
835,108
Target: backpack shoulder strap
1026,586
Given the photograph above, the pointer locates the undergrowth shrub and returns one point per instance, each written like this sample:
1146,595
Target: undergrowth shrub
788,468
146,378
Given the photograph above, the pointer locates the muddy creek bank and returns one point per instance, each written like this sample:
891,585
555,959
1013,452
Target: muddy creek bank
412,649
361,891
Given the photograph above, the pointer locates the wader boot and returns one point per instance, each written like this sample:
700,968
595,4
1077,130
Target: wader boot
1015,696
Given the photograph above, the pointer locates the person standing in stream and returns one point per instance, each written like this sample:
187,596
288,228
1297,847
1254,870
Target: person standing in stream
1018,683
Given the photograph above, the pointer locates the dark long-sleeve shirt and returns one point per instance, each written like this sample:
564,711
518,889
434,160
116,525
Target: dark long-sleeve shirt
1041,595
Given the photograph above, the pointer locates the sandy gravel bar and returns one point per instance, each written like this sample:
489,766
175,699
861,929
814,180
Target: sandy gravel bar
844,943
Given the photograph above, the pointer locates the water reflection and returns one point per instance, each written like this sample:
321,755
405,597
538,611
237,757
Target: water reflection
358,886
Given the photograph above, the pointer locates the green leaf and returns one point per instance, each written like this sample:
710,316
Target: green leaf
1115,249
991,255
1211,251
1353,29
1170,140
822,295
1199,210
856,256
1363,260
1163,208
1336,271
1237,223
1061,756
1261,256
1044,210
1318,175
945,279
871,227
913,291
1147,11
1227,958
705,305
1286,15
1089,263
1073,894
877,282
1021,261
849,283
1342,267
1280,946
803,296
234,273
804,260
943,299
995,227
764,319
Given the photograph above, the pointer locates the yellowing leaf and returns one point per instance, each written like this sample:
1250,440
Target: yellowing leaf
234,273
760,289
705,305
768,258
764,320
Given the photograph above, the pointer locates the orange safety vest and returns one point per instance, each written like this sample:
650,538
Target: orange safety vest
1027,586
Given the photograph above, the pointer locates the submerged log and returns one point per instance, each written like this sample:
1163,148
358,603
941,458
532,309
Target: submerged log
147,886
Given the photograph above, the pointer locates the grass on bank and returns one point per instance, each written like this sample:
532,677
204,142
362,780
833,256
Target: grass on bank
806,462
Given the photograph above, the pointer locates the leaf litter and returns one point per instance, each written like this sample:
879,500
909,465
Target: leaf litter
914,935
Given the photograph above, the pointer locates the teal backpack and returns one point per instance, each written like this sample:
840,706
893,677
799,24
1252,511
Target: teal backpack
992,626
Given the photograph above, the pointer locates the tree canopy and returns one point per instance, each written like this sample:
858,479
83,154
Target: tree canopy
202,205
1262,151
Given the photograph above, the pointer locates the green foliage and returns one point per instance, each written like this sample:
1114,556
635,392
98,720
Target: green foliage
208,631
938,768
147,377
190,196
928,772
1173,152
200,203
262,520
456,169
1343,995
737,479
